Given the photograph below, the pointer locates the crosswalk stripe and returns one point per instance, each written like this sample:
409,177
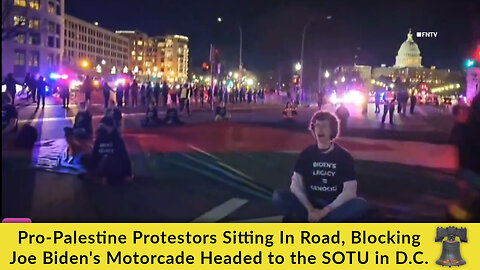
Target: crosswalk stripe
221,211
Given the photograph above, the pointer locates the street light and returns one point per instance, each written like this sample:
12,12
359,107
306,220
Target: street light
327,74
219,19
298,67
343,79
85,64
104,62
240,66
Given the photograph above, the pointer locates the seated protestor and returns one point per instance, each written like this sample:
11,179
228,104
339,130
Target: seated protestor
110,160
171,116
9,115
290,111
26,138
324,183
79,137
114,112
221,112
151,118
343,115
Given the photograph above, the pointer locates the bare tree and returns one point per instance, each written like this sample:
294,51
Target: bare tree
9,29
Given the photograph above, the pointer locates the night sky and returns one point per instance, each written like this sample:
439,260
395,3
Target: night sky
374,30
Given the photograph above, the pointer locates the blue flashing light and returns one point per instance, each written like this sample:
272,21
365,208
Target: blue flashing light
470,63
54,76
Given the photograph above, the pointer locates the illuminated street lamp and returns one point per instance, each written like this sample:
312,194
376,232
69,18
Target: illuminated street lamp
125,69
230,74
85,64
155,69
99,68
392,85
249,81
298,66
113,70
343,79
104,62
219,19
135,69
327,74
235,75
335,82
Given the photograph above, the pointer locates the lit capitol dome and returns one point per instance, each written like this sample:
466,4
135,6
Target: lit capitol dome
408,54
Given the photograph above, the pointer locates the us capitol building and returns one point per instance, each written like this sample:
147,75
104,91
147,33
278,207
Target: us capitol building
408,67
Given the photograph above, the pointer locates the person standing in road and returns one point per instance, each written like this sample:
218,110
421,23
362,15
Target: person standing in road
126,95
143,95
389,105
149,93
120,90
156,93
134,92
9,115
41,91
10,84
185,98
65,93
413,102
165,93
87,89
378,96
202,95
324,183
106,93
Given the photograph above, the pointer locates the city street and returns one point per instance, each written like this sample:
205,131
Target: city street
226,172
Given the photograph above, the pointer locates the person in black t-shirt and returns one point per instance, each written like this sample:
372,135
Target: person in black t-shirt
324,184
171,116
110,157
9,115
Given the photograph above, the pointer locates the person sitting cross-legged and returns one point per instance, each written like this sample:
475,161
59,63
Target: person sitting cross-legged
324,185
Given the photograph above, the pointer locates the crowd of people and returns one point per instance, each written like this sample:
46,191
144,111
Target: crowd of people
390,100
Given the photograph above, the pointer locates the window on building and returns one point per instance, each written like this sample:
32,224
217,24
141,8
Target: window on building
51,7
133,53
57,43
51,28
139,43
35,4
33,59
51,42
19,21
34,39
139,58
20,3
20,39
57,27
50,60
59,10
19,58
34,24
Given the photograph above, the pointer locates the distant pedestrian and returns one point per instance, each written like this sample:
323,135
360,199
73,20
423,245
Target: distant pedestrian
134,93
11,86
106,93
185,98
149,93
389,99
156,93
202,95
120,90
143,95
413,102
321,96
65,93
343,115
165,93
173,94
126,95
378,97
87,89
41,91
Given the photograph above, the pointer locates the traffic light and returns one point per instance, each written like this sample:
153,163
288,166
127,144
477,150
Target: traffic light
205,66
469,63
295,79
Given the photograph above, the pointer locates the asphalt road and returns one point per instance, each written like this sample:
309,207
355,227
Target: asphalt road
182,176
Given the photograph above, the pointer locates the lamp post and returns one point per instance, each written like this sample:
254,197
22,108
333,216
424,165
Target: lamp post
300,83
